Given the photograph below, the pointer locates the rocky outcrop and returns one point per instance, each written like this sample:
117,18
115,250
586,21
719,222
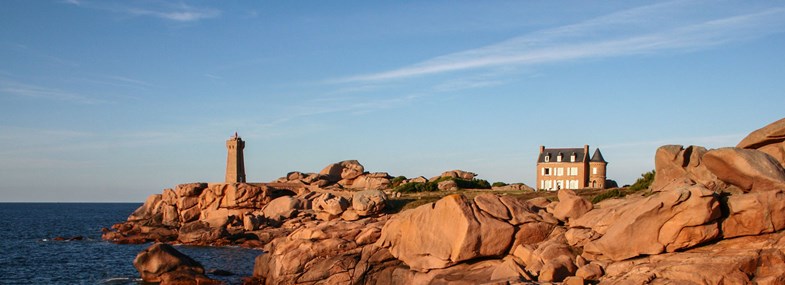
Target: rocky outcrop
769,139
372,181
460,174
240,213
749,170
196,213
677,166
348,174
447,185
332,252
711,217
514,187
570,205
665,222
344,170
749,260
369,202
755,213
162,263
444,233
282,208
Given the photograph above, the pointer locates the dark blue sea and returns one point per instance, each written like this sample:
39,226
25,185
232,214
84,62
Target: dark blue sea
28,254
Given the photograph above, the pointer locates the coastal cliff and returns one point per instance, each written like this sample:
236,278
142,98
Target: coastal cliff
711,216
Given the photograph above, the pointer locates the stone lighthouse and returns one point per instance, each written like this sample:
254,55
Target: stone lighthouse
235,165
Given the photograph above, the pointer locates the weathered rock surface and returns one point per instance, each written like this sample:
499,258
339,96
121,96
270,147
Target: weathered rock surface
369,202
514,187
281,208
447,185
444,233
461,174
329,203
347,169
755,213
664,222
372,181
749,170
749,260
769,139
334,252
162,263
677,166
570,206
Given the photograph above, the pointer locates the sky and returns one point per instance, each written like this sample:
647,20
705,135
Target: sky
111,101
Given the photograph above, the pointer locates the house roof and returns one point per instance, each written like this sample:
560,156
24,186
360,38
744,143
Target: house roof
597,156
566,153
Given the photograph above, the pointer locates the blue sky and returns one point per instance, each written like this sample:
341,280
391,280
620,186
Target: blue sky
116,100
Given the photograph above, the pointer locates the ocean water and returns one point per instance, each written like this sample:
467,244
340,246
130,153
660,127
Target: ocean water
29,255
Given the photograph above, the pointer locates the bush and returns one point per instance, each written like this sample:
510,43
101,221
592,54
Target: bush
409,187
473,184
398,180
431,186
644,182
613,193
499,184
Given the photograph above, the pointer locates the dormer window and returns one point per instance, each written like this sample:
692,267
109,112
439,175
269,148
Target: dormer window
547,158
572,157
558,158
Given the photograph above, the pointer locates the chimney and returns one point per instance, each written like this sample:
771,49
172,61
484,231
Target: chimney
542,148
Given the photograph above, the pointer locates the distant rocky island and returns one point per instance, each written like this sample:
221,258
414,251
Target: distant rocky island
711,216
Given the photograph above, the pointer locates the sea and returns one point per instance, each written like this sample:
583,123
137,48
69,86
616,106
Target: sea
30,255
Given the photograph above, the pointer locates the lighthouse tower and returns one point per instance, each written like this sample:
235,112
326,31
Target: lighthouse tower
235,165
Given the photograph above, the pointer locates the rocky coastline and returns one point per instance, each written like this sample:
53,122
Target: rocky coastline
711,216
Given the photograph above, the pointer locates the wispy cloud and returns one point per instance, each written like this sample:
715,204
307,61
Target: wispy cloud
13,88
179,12
643,30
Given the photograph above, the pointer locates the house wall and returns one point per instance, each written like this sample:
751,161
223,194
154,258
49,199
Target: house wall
579,178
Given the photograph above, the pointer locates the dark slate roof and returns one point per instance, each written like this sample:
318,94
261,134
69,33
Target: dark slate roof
566,153
597,157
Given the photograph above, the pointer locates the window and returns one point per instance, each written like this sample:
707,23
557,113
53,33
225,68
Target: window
574,171
558,158
572,157
547,158
593,170
560,171
546,171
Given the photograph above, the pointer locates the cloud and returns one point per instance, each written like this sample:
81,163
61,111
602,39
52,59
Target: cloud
183,14
32,91
636,31
159,9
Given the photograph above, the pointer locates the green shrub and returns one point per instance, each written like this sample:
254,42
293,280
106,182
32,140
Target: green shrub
644,182
613,193
499,184
473,184
398,180
431,186
409,187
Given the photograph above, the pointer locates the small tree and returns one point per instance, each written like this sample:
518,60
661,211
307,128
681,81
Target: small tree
499,184
644,182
